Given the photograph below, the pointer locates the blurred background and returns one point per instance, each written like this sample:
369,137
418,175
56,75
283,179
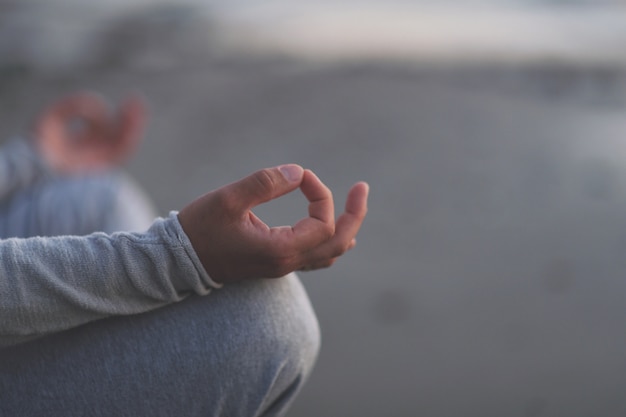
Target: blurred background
490,275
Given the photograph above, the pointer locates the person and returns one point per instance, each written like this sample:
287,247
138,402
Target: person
196,314
65,181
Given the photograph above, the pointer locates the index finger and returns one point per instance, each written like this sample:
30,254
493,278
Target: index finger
321,206
319,226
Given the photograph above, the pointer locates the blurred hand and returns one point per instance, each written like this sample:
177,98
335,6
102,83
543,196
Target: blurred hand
80,133
233,244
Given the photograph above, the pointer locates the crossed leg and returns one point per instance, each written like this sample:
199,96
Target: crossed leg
243,350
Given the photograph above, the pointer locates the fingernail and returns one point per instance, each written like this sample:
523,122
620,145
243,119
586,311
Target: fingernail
291,172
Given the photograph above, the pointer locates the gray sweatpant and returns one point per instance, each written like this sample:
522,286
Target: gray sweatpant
245,350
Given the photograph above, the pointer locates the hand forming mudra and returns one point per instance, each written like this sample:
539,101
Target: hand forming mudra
83,133
233,244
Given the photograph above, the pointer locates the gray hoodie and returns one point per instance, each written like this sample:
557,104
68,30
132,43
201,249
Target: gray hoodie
51,284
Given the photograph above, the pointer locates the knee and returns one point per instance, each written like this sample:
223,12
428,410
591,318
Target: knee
273,339
244,350
279,323
107,203
288,326
78,206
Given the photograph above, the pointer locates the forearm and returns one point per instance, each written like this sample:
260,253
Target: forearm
51,284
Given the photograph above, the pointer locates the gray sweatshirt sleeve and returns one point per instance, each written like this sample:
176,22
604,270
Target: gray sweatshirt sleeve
51,284
19,167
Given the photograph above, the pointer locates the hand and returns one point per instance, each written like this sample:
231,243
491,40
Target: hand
80,133
233,243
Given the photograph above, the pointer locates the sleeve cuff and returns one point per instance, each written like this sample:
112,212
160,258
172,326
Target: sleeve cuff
186,244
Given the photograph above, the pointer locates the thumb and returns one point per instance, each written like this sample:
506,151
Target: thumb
265,185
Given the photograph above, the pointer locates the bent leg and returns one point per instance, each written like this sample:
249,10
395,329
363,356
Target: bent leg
243,350
57,206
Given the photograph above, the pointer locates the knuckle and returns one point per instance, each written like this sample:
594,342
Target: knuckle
279,260
327,192
265,181
339,248
328,230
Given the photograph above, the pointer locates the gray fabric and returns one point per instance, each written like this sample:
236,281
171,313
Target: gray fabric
245,350
19,167
34,201
57,206
55,283
129,323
